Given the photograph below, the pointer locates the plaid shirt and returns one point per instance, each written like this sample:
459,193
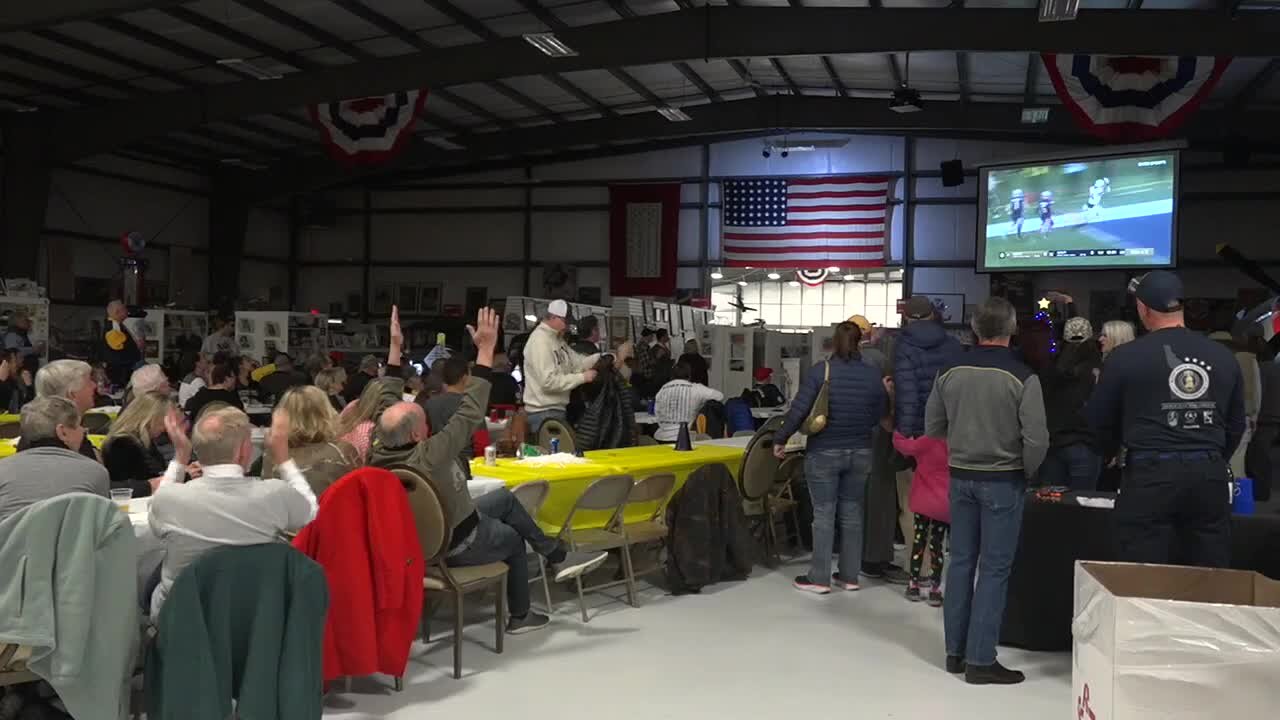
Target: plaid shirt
646,359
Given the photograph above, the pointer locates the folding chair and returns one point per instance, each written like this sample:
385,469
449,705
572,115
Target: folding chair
745,433
609,493
755,480
782,500
428,514
555,429
531,496
653,489
13,665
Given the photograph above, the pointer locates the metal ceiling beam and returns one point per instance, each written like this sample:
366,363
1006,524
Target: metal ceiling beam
735,32
1033,73
28,14
841,90
1251,89
962,75
624,11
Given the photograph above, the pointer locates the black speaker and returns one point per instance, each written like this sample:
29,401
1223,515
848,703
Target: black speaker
952,173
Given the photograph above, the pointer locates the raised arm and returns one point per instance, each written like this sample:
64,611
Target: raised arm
450,441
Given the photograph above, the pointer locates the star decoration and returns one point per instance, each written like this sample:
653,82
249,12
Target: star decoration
1043,303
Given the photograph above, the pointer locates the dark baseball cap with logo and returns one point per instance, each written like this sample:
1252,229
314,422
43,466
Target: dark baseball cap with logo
1160,290
918,308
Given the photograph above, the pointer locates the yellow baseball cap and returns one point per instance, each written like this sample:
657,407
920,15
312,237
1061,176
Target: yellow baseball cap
861,321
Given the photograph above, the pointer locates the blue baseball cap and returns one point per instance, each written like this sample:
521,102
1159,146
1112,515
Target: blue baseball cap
1160,290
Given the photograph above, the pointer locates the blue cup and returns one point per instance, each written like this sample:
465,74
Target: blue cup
1242,497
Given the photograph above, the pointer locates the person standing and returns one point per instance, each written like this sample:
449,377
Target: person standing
1068,381
552,369
838,458
1114,334
588,342
1175,400
699,371
120,349
17,338
989,408
221,340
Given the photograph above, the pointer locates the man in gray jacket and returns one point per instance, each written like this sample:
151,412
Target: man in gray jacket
493,527
48,465
988,407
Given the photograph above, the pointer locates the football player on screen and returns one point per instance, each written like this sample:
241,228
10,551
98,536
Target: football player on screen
1046,211
1017,203
1092,209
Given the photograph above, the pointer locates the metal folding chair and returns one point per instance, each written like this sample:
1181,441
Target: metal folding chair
609,493
531,496
428,515
755,481
653,489
781,498
556,429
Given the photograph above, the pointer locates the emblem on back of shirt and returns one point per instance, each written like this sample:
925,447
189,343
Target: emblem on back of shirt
1189,380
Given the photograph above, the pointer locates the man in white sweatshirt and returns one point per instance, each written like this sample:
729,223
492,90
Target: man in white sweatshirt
552,369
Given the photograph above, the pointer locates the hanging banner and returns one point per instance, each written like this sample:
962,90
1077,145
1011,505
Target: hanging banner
812,278
1124,98
644,238
368,130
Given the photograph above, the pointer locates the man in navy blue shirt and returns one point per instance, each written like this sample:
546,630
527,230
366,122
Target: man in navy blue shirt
1175,399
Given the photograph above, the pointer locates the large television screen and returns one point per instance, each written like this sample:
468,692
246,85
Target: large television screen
1115,211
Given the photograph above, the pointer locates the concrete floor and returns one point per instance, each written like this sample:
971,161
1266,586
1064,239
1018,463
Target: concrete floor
755,649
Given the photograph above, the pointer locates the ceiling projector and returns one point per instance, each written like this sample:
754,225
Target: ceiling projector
905,100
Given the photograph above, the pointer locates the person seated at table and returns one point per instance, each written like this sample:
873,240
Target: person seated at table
313,439
17,387
48,466
71,380
504,391
369,367
440,408
679,402
131,453
493,527
273,386
221,388
224,506
765,393
146,379
331,381
244,368
194,380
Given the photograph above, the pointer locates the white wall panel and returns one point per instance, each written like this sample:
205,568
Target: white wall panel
569,236
944,232
679,162
862,154
343,241
933,188
466,197
319,286
267,233
480,236
690,237
594,195
975,288
932,152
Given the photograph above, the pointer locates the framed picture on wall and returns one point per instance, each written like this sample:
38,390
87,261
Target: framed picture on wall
407,297
948,306
430,294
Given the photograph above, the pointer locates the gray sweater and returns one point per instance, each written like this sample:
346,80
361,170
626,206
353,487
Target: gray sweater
40,473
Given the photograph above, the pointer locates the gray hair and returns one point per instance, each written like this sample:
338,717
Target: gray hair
1120,332
149,378
369,362
219,434
399,434
42,416
60,378
995,319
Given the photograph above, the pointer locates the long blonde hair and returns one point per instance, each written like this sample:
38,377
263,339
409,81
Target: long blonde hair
311,418
331,380
1119,332
136,419
365,409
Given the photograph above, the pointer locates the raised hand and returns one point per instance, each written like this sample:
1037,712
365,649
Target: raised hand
173,427
397,337
277,441
485,335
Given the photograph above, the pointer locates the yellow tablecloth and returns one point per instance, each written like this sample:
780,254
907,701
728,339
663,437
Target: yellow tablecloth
12,419
569,481
9,446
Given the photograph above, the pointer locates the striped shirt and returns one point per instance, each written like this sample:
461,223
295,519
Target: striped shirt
679,401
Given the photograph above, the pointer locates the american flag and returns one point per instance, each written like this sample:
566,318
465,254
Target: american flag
804,222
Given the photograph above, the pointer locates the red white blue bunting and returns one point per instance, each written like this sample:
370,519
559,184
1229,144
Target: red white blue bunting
812,278
369,130
1125,98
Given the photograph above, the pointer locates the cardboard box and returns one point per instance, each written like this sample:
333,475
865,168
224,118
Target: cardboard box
1157,642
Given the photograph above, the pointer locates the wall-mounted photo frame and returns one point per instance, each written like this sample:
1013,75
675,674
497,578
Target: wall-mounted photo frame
430,298
949,307
246,325
272,329
407,297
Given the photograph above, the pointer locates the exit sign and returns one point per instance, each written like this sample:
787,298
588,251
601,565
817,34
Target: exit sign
1035,116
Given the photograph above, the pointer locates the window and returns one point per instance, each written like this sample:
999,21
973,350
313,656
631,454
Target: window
874,294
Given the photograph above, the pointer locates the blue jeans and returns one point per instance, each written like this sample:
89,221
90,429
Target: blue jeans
837,481
1077,466
537,418
501,533
986,518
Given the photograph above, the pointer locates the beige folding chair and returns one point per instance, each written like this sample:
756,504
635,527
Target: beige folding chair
755,480
745,433
610,494
13,665
428,515
556,429
782,499
653,489
531,496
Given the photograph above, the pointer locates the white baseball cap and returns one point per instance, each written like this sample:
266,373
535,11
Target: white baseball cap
559,308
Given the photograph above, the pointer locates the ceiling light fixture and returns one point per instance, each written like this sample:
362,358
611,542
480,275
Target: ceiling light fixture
775,276
531,318
833,269
742,283
850,277
549,44
254,71
717,275
674,114
794,283
335,321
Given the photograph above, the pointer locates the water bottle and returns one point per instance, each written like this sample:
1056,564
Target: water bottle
555,445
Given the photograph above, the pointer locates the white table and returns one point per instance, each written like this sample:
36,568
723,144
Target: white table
257,409
479,485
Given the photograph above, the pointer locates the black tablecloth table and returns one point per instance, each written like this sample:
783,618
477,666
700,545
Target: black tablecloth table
1057,534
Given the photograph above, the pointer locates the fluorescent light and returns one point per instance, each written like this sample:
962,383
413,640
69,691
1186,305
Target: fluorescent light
833,269
549,44
674,114
742,283
850,277
794,283
775,276
717,275
335,321
531,318
250,69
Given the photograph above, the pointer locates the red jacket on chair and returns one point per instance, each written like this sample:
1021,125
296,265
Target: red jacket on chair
365,538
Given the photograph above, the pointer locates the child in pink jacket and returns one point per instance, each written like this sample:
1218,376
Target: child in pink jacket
930,502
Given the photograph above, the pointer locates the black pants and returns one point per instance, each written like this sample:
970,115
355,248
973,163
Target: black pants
1174,508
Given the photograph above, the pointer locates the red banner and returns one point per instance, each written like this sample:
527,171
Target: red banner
644,239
